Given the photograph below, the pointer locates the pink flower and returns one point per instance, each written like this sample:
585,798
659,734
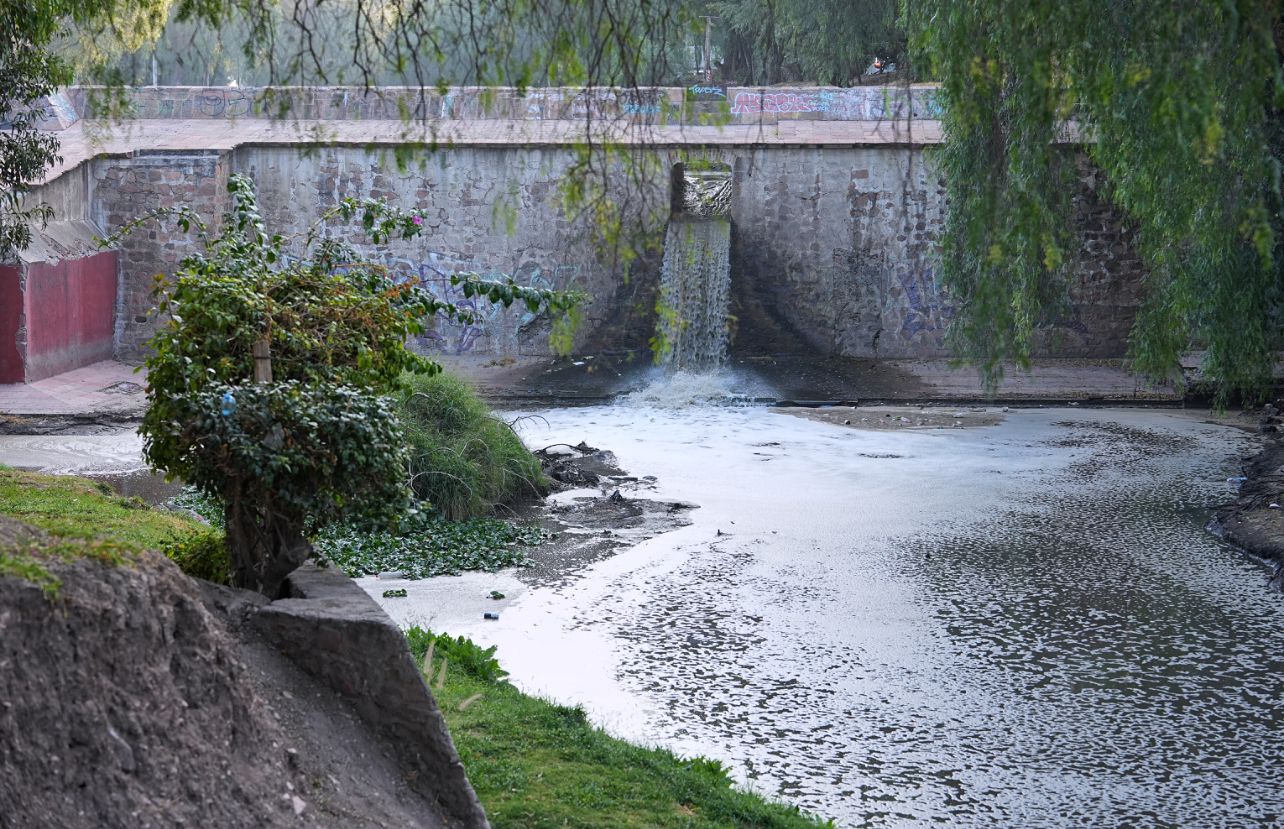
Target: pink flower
417,220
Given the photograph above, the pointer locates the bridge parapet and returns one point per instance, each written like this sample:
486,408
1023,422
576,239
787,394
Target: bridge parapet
696,105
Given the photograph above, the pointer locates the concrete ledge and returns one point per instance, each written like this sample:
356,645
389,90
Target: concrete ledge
336,634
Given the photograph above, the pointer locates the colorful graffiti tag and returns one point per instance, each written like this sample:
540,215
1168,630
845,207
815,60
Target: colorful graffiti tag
857,104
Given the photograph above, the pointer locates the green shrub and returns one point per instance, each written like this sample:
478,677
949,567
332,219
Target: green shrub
464,460
464,654
425,545
203,555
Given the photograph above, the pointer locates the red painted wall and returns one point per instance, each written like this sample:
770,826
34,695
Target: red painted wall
10,318
71,308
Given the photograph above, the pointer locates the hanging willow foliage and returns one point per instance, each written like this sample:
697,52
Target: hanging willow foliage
1178,106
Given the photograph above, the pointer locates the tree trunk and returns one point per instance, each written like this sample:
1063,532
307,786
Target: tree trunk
265,546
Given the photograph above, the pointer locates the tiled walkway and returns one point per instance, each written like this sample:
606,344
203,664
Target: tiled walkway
107,387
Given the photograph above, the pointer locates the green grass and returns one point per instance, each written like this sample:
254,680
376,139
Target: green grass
535,764
76,509
464,460
84,519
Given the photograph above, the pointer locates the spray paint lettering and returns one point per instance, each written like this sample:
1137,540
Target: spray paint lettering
224,103
839,104
916,299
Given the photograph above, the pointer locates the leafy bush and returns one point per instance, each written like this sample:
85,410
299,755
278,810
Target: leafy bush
427,545
321,332
203,555
284,458
464,654
463,460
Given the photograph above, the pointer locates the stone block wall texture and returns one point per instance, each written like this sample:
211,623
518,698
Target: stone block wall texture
740,105
833,248
493,212
125,188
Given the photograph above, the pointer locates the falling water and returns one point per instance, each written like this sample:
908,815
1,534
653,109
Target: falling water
695,290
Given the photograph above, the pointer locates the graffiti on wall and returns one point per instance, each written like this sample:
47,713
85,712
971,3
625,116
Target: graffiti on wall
230,102
917,299
858,104
705,91
489,322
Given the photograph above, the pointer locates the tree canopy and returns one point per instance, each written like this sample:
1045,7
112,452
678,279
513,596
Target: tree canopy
280,448
1178,107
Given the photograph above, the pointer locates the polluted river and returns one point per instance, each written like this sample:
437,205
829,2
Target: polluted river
897,617
888,617
1022,623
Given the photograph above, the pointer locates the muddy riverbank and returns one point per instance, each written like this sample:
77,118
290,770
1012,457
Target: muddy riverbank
1254,520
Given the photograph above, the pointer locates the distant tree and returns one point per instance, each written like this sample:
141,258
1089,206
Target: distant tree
30,69
615,44
820,41
27,73
1179,106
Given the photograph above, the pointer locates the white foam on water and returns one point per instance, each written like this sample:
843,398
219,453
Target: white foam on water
692,389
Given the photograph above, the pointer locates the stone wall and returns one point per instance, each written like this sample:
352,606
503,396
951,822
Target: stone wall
833,247
125,188
494,212
738,105
835,251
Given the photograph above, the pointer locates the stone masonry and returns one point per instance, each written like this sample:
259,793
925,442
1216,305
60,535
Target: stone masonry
833,244
124,189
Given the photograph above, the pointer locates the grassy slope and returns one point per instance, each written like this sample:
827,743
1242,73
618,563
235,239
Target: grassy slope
535,765
79,509
83,520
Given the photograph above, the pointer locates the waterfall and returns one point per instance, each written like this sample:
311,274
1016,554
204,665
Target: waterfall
695,292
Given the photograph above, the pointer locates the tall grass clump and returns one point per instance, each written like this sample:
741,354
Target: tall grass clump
464,460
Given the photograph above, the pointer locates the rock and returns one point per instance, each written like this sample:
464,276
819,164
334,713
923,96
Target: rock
298,804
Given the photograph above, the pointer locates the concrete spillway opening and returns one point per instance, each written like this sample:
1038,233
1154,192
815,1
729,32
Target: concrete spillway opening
701,188
695,294
694,323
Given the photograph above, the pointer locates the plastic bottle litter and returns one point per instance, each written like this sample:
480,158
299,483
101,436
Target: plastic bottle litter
229,405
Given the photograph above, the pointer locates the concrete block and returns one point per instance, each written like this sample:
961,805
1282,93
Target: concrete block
338,635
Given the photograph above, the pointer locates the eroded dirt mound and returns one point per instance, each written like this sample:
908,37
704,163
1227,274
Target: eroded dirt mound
126,702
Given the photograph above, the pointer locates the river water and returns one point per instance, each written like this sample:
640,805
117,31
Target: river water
1023,624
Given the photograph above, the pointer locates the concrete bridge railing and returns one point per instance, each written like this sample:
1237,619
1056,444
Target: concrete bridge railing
695,105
